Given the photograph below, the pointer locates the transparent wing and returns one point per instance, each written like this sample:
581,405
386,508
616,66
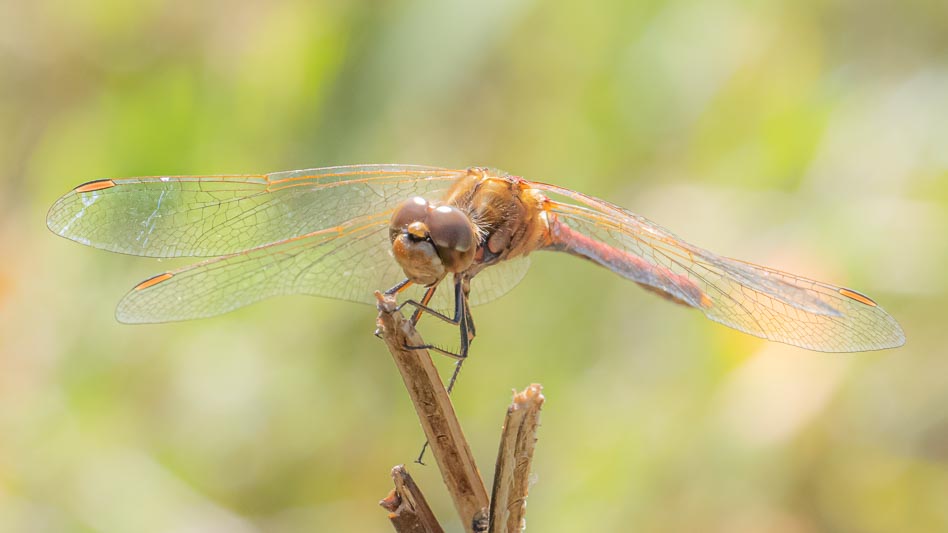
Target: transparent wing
488,285
757,300
349,262
205,216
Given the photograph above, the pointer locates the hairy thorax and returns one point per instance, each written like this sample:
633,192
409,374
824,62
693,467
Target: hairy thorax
510,218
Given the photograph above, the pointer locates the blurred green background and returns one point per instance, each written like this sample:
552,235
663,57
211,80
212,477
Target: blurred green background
805,135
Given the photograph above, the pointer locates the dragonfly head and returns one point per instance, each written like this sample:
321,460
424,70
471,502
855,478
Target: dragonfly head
429,241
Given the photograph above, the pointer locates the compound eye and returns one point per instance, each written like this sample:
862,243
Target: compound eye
451,229
411,211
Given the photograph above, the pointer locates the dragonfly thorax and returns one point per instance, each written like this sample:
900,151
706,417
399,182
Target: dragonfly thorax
429,241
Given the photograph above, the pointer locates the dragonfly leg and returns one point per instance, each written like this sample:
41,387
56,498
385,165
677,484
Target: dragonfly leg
422,307
429,294
460,319
399,287
469,319
464,295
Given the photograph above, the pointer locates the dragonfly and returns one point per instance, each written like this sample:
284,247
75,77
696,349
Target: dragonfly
344,232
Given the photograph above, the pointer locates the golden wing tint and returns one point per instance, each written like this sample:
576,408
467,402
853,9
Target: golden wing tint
757,300
205,216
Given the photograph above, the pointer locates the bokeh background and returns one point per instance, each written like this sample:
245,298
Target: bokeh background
805,135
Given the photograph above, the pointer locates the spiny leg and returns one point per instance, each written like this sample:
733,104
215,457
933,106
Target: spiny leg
470,319
399,287
461,316
466,287
422,307
429,294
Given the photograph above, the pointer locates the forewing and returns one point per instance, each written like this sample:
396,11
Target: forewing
348,263
204,216
757,300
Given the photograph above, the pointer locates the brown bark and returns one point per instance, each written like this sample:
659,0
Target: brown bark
408,510
512,472
437,416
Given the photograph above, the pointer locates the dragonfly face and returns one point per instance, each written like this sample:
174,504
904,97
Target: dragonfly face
334,232
429,242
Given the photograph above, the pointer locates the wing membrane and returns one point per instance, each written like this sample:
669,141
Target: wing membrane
757,300
488,285
205,216
348,263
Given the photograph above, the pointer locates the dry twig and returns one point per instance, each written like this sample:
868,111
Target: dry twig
437,416
408,510
512,473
